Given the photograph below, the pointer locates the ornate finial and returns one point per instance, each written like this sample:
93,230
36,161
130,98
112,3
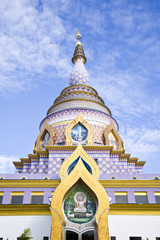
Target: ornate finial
78,36
79,53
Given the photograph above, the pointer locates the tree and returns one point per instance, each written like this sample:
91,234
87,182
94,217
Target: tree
26,235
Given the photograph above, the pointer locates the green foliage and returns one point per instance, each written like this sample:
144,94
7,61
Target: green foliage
26,235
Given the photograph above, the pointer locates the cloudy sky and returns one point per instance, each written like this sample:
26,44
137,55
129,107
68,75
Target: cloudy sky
121,40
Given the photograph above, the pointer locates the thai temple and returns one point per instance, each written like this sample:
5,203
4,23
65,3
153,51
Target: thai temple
79,184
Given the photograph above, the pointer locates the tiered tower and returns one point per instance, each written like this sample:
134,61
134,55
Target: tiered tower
79,183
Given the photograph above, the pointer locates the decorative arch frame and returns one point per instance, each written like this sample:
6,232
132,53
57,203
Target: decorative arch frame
79,152
111,128
46,127
79,173
79,119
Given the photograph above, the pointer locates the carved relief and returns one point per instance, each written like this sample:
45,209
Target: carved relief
45,137
112,137
83,137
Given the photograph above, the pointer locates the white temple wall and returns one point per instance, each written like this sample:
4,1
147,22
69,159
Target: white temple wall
125,226
12,227
120,226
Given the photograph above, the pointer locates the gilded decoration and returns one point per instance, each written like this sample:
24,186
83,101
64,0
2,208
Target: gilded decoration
47,129
79,152
79,119
111,129
79,175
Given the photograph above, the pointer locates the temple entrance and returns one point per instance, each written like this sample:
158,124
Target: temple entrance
89,235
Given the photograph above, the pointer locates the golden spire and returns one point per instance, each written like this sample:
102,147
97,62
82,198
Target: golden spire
79,55
78,37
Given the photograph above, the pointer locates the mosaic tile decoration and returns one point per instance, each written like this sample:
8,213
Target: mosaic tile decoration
79,75
59,129
75,88
71,114
79,96
43,165
79,104
34,166
107,164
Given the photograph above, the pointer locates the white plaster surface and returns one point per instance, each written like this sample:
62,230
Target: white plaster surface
121,226
11,227
125,226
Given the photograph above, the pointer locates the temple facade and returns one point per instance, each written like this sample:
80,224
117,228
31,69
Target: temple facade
79,184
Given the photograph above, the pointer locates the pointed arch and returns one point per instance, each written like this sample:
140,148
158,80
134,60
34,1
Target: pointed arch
111,129
79,152
80,173
79,119
46,128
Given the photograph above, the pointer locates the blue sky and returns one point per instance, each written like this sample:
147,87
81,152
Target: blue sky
121,40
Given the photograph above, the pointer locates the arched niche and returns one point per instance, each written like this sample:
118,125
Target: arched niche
44,138
80,205
77,154
79,175
112,137
79,124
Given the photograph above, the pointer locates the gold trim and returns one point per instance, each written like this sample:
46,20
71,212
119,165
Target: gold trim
24,209
29,183
17,193
79,119
18,164
78,86
37,193
79,174
17,183
120,193
48,128
80,99
69,93
140,193
111,128
134,209
115,209
156,193
86,148
79,152
130,183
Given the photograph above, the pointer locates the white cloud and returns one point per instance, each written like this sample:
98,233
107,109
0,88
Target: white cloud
30,43
6,164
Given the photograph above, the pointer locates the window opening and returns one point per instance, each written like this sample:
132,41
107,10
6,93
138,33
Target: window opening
1,197
157,197
71,235
88,235
72,166
96,160
62,160
121,197
135,238
141,197
37,197
113,238
17,197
